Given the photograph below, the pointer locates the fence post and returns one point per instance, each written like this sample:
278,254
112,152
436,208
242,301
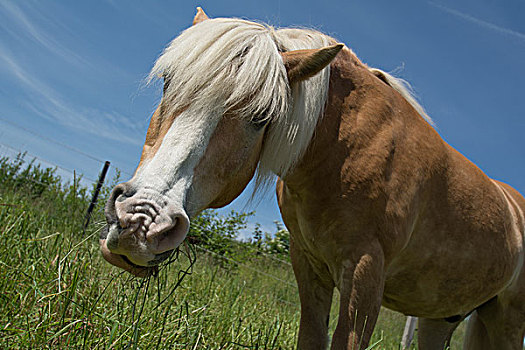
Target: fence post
408,333
95,194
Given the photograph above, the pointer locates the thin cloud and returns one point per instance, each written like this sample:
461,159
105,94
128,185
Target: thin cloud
480,22
19,25
37,34
47,103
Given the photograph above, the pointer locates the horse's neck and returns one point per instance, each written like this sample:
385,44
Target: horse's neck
362,125
342,129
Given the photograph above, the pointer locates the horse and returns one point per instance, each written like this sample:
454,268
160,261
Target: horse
377,204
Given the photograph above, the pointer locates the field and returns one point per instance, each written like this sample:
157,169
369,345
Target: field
57,292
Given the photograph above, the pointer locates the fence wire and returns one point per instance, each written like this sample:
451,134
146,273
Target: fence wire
256,251
55,142
44,161
139,299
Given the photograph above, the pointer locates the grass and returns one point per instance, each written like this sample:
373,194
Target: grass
57,292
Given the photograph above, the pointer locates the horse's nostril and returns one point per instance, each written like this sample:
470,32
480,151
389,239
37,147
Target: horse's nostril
118,191
168,231
124,190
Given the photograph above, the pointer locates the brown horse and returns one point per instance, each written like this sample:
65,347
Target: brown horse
377,204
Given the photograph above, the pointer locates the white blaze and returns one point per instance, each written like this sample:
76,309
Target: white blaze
170,171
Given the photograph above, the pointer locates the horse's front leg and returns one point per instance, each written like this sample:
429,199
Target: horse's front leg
315,293
361,289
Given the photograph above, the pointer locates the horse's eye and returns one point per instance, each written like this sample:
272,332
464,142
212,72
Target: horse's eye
260,121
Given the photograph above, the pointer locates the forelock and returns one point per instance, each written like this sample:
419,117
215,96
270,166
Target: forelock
224,64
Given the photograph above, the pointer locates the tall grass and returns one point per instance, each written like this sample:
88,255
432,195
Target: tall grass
57,292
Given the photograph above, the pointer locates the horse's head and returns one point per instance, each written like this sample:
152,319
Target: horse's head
227,83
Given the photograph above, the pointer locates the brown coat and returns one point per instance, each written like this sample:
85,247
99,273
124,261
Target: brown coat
383,209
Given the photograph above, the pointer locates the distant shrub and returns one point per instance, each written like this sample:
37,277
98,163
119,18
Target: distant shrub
280,242
31,176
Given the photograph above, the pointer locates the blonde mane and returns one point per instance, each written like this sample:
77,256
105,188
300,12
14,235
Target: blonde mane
227,64
403,87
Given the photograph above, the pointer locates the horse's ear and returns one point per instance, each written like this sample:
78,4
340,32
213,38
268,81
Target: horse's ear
200,16
303,64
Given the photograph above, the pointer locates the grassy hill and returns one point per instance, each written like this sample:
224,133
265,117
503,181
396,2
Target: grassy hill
56,291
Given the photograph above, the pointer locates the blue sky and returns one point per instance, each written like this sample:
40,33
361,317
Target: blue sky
72,72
